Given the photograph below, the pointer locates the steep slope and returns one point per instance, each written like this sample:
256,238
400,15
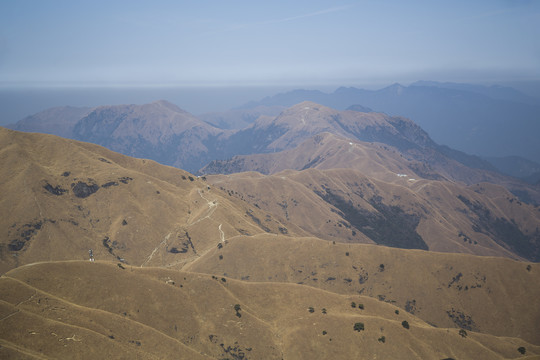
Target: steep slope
61,198
344,205
58,310
489,295
160,131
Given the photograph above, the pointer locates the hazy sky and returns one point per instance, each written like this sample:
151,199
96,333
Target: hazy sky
268,43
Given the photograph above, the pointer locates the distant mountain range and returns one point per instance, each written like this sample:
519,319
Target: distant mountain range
497,123
488,121
165,133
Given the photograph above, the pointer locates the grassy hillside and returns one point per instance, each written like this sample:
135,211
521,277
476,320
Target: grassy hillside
485,294
61,198
345,205
58,310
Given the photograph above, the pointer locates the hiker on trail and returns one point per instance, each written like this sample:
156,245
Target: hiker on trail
91,255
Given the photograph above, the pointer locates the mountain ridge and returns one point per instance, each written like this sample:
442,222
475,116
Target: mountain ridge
165,133
470,121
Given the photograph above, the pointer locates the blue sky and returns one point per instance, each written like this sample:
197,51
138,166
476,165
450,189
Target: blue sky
268,43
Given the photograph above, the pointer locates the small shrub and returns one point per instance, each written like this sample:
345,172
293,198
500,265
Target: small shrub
522,350
353,304
311,309
359,326
237,309
382,339
381,267
324,310
405,324
397,312
324,332
220,257
528,267
463,333
361,306
347,253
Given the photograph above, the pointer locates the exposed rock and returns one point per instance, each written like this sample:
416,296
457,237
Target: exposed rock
125,179
25,234
56,190
110,183
83,190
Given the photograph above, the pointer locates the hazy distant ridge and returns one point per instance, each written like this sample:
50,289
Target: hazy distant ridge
487,121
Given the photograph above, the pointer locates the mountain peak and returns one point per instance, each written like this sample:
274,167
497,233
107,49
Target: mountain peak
392,90
307,105
168,105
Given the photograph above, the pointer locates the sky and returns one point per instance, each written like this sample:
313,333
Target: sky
252,43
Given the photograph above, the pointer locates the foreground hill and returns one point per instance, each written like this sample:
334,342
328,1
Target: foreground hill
491,295
59,310
61,198
185,269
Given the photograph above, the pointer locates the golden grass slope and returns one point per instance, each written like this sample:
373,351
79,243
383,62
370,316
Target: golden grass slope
61,198
58,310
491,295
451,217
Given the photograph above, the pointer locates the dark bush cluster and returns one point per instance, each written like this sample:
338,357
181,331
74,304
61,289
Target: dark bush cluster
405,324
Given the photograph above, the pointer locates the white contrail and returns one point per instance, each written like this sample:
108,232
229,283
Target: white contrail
292,18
